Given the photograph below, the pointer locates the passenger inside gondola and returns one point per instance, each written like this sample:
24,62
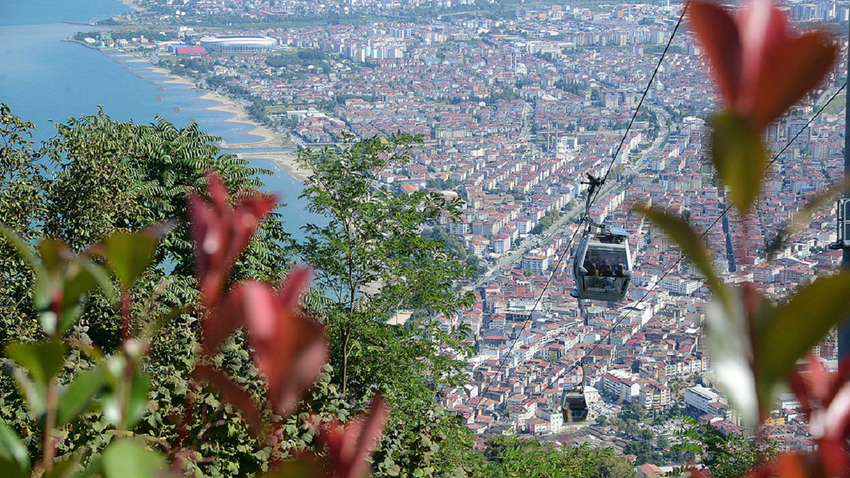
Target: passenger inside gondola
619,271
604,270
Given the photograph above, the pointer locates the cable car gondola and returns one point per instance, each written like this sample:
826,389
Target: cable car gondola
574,403
603,264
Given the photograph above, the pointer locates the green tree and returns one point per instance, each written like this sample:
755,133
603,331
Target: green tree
726,455
369,260
643,450
21,209
633,412
454,246
112,177
610,466
661,442
551,216
509,456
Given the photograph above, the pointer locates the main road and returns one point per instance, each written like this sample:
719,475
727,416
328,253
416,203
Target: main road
530,242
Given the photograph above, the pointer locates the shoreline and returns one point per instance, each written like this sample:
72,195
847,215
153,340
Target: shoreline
268,138
131,4
285,160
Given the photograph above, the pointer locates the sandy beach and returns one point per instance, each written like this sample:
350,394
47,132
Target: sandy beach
284,160
268,138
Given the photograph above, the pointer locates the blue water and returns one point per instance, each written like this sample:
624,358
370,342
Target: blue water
46,81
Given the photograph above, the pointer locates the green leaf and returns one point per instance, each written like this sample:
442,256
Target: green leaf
64,468
689,242
80,395
803,217
124,407
158,323
34,393
42,360
138,399
729,343
130,459
13,453
128,255
48,282
10,469
24,250
66,278
800,324
740,158
94,468
83,275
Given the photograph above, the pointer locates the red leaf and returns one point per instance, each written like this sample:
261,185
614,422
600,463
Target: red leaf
839,379
220,233
232,393
789,72
760,67
833,458
762,29
718,33
801,391
790,465
370,433
349,446
824,398
219,323
289,348
818,380
290,295
836,417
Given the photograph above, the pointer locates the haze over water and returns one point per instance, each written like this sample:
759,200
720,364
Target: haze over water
45,80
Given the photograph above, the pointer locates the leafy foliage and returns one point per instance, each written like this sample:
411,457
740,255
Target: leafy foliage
370,260
22,181
111,179
509,456
370,257
107,374
726,455
547,220
761,70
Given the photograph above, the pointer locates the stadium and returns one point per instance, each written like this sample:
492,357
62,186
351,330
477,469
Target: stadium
238,44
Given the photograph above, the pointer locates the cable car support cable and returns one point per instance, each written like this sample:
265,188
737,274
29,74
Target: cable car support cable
702,236
590,200
589,204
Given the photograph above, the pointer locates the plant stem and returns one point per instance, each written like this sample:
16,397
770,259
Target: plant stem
126,307
49,442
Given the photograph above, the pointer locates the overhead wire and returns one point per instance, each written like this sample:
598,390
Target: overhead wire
676,263
643,97
705,233
592,197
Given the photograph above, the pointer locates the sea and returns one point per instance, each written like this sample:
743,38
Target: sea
46,81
